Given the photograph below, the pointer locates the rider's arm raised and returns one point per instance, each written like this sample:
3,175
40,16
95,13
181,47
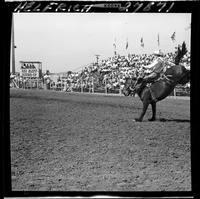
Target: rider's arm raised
150,66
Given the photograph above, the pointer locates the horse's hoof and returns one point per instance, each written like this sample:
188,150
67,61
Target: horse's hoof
152,119
137,120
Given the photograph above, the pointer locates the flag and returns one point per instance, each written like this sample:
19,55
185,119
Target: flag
142,42
126,44
158,40
114,44
173,36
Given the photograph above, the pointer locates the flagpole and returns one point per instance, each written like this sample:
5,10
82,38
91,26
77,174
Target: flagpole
158,40
173,39
13,46
142,44
127,52
115,50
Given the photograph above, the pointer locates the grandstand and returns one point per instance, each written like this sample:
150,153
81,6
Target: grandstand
108,75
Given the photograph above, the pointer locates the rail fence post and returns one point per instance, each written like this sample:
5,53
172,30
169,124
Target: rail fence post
24,83
175,92
120,89
18,83
81,85
31,82
37,83
92,84
106,86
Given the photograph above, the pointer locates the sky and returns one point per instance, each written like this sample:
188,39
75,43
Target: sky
70,41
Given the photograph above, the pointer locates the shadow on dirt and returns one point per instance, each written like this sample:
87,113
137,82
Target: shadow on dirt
173,120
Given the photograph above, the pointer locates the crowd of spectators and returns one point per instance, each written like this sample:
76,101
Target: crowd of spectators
112,72
108,73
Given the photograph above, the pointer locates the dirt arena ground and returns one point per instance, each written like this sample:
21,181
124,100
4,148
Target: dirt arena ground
81,142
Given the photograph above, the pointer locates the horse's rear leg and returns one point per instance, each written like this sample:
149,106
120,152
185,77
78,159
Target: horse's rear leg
153,105
145,106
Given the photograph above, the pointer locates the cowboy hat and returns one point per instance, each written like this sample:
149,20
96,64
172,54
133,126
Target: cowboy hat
158,53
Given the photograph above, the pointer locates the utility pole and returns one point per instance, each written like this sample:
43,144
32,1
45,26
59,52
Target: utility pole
13,46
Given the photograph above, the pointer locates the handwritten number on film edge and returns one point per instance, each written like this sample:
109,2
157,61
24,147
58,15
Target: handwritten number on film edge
170,7
126,7
69,7
149,7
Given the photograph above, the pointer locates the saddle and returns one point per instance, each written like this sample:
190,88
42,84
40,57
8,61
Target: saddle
148,85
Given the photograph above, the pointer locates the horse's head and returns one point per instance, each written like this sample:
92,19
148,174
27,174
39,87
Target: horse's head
131,85
139,84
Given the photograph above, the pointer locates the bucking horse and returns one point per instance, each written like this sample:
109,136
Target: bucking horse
160,89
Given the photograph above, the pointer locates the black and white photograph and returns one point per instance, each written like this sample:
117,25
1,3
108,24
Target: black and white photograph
100,102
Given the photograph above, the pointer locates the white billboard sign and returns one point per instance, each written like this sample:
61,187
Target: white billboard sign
30,69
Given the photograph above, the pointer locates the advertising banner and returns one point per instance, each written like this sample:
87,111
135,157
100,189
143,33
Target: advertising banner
30,69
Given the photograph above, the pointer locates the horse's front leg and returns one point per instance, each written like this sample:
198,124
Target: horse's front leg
153,105
145,106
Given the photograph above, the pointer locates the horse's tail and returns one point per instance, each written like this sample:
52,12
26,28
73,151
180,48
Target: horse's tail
180,53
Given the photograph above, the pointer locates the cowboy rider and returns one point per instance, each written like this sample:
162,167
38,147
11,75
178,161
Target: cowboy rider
158,66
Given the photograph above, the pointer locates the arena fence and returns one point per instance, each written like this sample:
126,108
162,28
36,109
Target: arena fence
93,87
27,83
107,88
